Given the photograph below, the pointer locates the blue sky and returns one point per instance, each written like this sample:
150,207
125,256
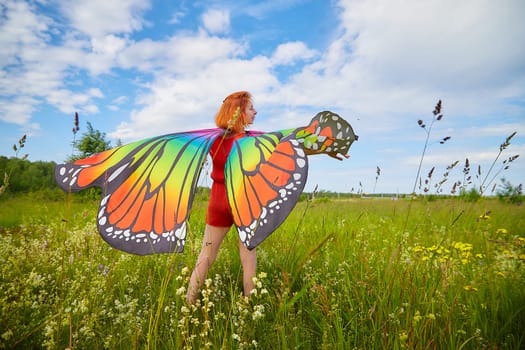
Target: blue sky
137,68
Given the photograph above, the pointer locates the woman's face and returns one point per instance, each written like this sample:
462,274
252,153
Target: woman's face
250,113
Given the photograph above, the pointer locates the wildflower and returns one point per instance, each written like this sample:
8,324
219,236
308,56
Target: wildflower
500,274
432,248
7,335
258,312
418,249
443,259
181,291
470,288
417,317
485,216
462,246
501,231
431,316
234,118
403,336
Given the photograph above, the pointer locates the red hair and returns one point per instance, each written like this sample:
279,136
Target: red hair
225,116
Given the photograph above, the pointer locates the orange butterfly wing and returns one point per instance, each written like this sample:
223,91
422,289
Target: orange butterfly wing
148,188
265,176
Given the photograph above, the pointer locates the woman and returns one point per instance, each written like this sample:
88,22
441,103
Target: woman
235,114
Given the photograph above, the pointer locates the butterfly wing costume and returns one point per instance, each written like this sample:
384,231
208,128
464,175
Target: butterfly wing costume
148,186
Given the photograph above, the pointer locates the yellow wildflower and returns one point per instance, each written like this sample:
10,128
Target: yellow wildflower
502,231
443,259
470,288
485,216
418,249
234,118
403,336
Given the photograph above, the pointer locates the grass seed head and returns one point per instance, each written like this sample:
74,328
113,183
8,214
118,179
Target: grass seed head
437,109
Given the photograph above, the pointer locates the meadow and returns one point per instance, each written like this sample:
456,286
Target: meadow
338,274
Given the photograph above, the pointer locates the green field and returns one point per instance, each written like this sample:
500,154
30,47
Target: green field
338,274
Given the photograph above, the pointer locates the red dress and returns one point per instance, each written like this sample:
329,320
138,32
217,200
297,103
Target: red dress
219,212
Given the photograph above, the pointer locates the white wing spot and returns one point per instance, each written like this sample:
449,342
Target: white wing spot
242,235
117,172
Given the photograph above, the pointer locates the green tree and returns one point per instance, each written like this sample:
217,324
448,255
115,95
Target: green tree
507,192
93,141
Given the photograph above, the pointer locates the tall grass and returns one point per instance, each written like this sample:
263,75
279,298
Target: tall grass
338,274
324,282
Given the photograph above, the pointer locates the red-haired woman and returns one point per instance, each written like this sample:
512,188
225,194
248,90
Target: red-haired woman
235,114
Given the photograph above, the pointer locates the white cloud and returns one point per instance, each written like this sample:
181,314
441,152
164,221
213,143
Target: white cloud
181,54
394,61
103,53
289,53
117,102
191,101
216,21
176,17
70,102
17,111
20,27
97,18
448,45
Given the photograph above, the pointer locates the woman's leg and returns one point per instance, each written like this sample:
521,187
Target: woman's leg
249,267
211,242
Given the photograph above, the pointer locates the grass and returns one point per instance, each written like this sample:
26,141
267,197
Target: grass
336,275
